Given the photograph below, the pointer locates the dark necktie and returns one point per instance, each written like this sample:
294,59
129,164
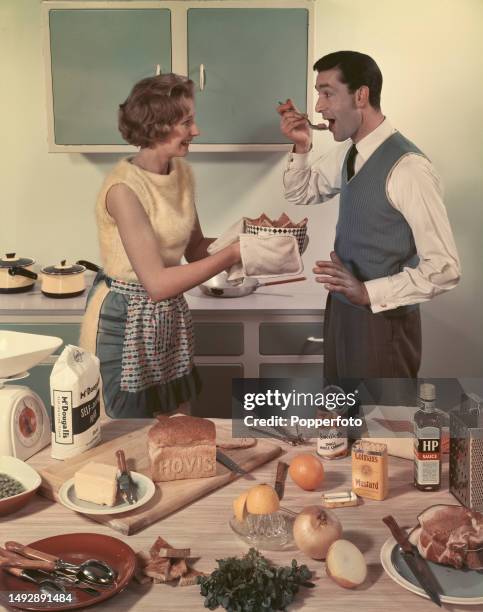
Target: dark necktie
351,159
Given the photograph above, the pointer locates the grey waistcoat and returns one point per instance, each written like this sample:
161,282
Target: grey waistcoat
372,238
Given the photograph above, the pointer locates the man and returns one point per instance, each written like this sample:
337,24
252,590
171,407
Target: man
394,247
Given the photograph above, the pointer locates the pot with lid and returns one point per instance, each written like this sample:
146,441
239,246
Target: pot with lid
16,274
65,280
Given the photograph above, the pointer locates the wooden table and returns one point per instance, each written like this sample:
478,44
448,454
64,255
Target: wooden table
204,527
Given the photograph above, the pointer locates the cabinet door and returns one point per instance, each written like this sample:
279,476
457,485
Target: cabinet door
253,57
96,57
290,338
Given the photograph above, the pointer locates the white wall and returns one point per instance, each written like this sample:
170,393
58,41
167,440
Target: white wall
430,54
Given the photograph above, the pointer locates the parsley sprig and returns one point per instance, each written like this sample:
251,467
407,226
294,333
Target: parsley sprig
251,584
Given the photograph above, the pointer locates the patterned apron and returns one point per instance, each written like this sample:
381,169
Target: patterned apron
146,351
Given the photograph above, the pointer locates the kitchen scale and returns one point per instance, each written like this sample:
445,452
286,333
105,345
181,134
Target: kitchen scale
24,420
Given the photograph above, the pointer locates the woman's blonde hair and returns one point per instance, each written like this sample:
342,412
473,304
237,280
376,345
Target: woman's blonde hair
154,105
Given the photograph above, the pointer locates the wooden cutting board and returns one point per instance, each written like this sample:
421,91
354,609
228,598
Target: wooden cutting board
169,496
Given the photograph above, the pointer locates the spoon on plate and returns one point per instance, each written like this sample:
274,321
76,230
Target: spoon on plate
92,571
46,585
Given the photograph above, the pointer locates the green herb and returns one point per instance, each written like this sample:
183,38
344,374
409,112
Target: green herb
251,584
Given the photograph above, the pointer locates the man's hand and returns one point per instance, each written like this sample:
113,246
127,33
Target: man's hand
294,126
336,277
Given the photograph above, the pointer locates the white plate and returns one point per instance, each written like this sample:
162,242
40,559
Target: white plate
145,490
449,578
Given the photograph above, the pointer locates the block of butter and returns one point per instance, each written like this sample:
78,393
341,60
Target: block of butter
96,483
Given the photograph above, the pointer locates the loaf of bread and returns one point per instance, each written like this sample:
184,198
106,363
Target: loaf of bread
182,447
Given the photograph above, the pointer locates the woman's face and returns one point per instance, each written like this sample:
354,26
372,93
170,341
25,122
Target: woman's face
182,133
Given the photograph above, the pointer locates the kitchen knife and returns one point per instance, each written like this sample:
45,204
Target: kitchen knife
126,486
280,478
230,464
415,562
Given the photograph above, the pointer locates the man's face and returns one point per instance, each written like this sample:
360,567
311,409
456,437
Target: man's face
337,105
182,133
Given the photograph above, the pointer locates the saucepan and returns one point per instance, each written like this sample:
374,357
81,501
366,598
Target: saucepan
219,286
16,274
63,280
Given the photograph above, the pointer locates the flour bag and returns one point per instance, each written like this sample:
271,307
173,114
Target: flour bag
74,398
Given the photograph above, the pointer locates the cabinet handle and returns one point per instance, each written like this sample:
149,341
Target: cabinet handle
202,77
158,70
314,339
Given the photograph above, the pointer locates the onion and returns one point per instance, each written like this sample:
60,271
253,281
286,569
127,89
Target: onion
346,565
315,529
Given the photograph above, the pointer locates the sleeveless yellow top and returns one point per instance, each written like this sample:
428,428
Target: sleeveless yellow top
168,200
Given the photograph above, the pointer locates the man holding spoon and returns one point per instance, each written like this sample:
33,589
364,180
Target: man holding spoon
393,247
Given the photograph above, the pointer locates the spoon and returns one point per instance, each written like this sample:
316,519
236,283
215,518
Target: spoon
46,586
312,126
92,571
70,581
315,126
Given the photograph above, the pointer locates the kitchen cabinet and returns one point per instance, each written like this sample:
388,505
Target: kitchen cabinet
247,69
95,57
235,52
275,345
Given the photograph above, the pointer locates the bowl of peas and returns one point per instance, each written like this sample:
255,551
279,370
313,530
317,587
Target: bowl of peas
18,484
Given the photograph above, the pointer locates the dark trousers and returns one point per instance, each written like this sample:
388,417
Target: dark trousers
359,344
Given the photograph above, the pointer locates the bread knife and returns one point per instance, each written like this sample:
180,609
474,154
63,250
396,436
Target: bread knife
416,563
230,464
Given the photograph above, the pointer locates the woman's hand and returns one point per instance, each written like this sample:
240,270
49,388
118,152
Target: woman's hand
294,126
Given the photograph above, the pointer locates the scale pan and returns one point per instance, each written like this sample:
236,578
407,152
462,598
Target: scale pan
20,352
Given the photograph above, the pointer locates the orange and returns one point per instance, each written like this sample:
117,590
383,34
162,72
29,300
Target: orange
240,507
306,471
262,499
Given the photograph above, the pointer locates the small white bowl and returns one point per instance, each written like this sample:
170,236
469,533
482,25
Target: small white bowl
26,475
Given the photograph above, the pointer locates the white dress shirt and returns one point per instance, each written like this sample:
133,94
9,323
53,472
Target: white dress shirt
415,190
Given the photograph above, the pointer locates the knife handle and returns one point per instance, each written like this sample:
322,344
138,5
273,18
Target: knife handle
28,552
11,559
280,478
121,461
399,534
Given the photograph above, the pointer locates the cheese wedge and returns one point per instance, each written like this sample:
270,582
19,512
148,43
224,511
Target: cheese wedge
96,483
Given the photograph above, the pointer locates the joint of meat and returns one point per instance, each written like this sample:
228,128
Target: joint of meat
450,535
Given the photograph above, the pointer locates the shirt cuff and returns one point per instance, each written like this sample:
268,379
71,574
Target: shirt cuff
379,290
298,161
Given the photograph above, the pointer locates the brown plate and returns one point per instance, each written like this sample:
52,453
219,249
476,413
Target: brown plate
75,548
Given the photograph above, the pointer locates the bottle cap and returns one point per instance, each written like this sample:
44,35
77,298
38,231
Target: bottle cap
427,392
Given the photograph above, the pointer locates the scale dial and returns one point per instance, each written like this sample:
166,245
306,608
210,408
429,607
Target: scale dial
28,420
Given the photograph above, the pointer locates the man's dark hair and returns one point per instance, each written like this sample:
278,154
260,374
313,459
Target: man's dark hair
356,69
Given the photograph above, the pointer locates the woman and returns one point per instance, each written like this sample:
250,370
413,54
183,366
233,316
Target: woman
137,320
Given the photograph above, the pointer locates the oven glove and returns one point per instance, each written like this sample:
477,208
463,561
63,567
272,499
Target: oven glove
266,256
261,255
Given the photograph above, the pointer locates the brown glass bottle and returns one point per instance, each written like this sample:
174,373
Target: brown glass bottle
427,442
